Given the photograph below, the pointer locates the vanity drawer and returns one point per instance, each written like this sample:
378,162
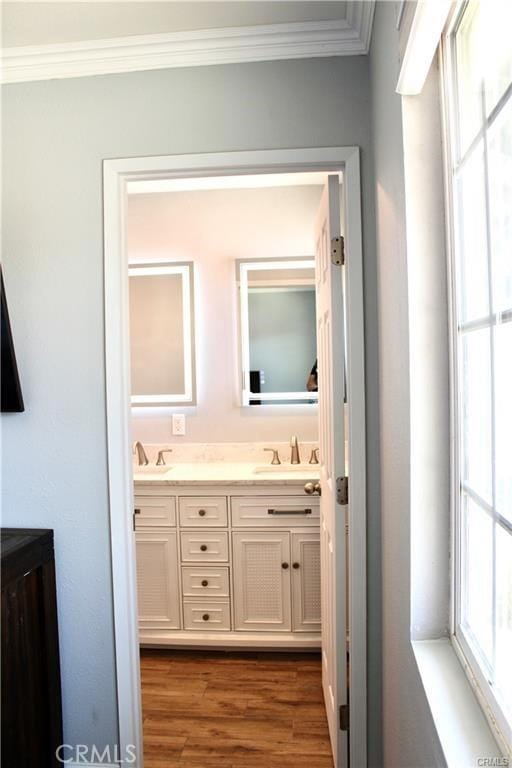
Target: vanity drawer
200,581
273,511
206,616
154,511
204,511
204,547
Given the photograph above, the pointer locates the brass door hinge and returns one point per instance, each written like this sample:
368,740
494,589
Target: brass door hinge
344,718
342,490
338,250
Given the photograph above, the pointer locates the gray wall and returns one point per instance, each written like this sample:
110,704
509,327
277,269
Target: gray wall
409,737
55,136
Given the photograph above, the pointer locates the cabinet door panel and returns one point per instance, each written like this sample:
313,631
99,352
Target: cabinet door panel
306,581
261,584
157,579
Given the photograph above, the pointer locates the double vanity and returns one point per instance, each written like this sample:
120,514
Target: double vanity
228,554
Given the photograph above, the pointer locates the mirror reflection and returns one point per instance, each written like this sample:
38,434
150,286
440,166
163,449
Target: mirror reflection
278,323
161,334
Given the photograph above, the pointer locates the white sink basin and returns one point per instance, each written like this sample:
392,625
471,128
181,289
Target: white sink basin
151,469
304,469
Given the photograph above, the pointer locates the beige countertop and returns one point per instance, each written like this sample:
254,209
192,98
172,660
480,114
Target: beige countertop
225,473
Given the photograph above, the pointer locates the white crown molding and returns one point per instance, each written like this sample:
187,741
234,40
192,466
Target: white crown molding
192,49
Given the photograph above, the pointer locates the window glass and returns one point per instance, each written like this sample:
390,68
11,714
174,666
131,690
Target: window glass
469,78
496,23
503,399
500,205
503,674
478,577
480,119
473,270
476,412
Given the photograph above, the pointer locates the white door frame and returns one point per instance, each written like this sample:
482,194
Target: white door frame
116,174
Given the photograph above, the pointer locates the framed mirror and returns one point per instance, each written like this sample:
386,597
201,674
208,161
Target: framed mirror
278,332
162,334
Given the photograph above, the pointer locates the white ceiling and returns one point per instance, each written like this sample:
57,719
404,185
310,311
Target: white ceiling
42,23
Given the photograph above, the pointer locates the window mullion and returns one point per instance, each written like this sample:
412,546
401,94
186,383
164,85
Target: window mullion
492,374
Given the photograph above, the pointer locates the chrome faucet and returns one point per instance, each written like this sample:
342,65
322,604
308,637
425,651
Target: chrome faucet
138,449
295,450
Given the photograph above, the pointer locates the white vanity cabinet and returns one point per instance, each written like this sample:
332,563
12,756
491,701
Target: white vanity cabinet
221,567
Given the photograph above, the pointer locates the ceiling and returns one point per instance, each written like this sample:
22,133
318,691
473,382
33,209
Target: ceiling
41,23
46,41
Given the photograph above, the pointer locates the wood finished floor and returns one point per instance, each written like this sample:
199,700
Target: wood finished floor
233,710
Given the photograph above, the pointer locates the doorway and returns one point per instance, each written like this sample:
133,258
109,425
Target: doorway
347,692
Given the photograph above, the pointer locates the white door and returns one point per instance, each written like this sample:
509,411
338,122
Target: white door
261,581
331,376
157,579
306,581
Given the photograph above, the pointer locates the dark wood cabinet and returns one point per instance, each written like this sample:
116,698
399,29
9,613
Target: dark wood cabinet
31,694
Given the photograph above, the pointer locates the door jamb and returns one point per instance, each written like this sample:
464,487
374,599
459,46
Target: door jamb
116,174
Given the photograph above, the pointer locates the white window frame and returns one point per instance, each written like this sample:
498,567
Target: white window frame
501,727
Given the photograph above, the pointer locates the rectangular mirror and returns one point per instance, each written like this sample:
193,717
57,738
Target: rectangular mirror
278,332
161,334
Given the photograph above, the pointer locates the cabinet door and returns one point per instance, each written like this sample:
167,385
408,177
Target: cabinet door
306,581
157,579
261,581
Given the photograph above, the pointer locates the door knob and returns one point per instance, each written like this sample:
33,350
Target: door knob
311,488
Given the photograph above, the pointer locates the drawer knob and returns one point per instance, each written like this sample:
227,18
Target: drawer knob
202,512
206,616
296,565
284,565
204,583
203,547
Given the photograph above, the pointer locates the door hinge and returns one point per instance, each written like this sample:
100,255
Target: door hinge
338,250
342,490
344,718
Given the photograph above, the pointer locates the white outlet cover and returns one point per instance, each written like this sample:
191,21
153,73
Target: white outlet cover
178,423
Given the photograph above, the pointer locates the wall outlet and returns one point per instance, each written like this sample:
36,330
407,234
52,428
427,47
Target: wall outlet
178,423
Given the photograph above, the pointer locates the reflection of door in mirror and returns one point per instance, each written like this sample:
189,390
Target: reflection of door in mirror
161,334
278,322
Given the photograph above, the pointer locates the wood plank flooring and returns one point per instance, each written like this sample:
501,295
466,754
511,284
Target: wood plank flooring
233,710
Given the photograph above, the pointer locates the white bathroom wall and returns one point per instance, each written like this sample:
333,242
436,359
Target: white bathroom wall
213,229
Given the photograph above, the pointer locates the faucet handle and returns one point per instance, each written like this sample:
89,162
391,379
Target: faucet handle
160,459
314,456
275,455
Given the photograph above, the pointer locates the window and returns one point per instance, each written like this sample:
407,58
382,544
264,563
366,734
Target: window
478,57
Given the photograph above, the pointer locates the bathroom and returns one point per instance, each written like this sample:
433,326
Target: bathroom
227,460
